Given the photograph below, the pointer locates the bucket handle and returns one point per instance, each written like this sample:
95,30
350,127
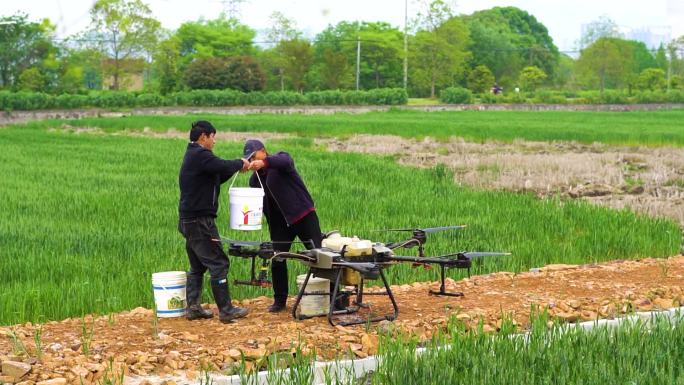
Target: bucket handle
236,174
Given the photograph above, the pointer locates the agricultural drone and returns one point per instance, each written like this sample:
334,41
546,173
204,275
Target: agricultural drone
349,262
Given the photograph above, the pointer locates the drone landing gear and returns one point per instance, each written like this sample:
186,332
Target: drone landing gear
336,317
442,287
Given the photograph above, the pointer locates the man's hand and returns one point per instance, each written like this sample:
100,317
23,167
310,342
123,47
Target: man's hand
256,165
245,165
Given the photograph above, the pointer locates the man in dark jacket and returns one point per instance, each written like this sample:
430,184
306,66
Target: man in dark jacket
288,208
200,179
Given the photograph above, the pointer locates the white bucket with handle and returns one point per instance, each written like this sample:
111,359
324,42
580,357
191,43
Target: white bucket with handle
169,293
246,207
312,304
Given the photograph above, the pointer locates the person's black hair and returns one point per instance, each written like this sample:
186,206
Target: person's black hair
200,127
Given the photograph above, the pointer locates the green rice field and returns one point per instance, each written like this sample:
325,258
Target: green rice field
652,128
85,219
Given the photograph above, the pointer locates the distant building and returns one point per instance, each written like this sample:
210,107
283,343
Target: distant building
652,36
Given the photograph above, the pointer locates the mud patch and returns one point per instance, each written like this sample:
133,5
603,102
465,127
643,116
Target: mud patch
647,180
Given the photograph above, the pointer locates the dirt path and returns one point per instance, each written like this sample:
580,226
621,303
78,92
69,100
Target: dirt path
647,180
180,347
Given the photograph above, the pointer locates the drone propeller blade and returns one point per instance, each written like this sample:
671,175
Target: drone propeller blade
475,254
427,229
479,254
235,242
444,228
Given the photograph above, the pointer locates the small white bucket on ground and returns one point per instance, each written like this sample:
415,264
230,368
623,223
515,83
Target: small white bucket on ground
169,293
313,305
246,208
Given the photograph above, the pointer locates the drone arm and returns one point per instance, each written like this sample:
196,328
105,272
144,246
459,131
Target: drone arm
408,242
289,255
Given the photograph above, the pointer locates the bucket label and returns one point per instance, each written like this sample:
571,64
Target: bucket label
251,217
175,302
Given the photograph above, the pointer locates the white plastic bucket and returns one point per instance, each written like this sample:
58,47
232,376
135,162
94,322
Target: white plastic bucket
246,208
169,293
314,305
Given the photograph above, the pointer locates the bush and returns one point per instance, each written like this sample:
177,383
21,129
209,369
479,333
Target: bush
488,98
67,101
150,100
456,95
549,97
321,98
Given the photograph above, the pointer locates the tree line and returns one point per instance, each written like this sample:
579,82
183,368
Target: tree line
505,46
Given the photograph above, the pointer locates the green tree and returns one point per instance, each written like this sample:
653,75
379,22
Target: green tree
438,51
661,58
652,79
23,44
564,72
334,70
480,79
221,37
281,29
240,73
297,58
126,32
381,54
506,39
87,62
381,51
531,78
335,55
32,79
165,67
605,64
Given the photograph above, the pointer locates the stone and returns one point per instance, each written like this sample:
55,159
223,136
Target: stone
370,343
15,369
664,303
80,371
567,316
235,354
54,381
254,354
7,380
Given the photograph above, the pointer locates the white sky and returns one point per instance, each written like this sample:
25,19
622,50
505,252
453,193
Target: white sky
562,18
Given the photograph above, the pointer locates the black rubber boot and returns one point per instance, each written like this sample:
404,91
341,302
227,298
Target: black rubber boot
193,295
227,312
277,306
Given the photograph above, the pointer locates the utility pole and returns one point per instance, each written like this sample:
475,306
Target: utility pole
358,60
406,44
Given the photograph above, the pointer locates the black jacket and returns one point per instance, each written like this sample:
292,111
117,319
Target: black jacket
285,190
201,175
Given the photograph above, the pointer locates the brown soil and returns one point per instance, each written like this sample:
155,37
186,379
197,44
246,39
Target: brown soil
571,293
647,180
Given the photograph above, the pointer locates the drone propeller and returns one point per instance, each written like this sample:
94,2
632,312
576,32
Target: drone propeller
258,243
428,229
475,254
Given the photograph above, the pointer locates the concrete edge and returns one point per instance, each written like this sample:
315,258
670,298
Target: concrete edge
344,370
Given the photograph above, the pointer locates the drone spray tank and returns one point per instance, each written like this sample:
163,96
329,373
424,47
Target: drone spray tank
349,248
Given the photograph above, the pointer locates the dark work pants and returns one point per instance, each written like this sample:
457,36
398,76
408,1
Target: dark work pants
203,245
308,230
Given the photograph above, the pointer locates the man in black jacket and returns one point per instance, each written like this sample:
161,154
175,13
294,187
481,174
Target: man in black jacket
288,207
200,179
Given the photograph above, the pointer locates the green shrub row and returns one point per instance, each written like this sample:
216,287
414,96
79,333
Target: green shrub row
455,95
10,101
